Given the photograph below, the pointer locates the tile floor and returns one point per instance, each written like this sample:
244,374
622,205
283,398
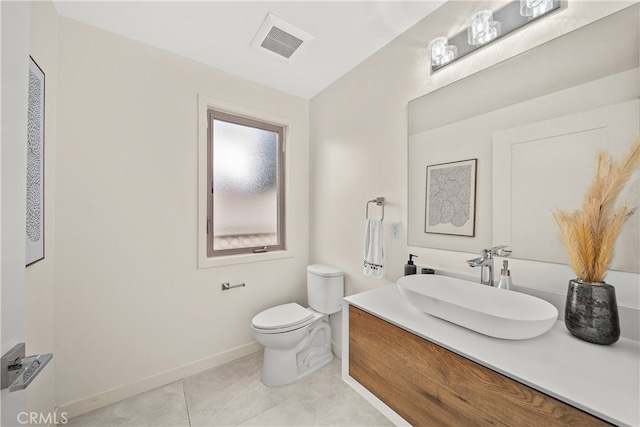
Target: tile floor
233,395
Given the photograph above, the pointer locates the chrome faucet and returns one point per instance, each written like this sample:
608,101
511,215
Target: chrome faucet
485,262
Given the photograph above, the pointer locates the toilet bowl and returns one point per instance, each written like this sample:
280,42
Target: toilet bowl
297,340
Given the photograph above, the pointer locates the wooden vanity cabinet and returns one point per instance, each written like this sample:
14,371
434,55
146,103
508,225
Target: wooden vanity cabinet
431,386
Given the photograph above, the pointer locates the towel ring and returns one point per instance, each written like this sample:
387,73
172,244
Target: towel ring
379,201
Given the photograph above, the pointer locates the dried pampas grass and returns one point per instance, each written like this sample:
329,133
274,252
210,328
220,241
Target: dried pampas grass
590,234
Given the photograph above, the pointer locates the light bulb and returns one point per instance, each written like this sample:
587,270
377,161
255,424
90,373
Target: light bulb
482,28
535,8
440,52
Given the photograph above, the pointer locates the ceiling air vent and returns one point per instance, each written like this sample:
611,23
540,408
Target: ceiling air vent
280,37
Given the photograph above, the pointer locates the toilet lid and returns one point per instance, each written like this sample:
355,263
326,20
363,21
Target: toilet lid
282,316
324,270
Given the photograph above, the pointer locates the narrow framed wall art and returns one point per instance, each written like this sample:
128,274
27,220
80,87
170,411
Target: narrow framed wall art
450,203
35,166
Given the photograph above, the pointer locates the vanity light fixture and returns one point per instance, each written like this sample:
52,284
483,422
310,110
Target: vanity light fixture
486,26
440,52
482,28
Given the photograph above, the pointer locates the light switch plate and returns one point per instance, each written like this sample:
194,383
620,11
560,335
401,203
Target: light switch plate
395,230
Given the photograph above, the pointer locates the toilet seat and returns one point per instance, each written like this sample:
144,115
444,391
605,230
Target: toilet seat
283,318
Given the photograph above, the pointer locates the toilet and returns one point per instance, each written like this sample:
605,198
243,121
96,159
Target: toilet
297,340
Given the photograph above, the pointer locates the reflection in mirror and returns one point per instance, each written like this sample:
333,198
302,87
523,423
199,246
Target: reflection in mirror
534,123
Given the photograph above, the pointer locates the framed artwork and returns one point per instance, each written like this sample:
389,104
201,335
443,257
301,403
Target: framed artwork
450,204
35,166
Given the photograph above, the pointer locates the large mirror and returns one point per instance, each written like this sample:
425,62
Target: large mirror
532,126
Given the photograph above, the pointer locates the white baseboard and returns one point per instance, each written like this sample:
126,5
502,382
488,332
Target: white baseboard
83,406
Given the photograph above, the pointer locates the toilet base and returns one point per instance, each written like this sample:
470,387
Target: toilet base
284,366
316,361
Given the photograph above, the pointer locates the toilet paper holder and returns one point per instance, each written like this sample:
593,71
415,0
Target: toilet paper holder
226,286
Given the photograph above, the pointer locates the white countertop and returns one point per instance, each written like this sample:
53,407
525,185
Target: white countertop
601,380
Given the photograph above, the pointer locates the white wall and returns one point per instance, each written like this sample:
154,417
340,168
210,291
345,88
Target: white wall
40,276
130,303
359,139
15,23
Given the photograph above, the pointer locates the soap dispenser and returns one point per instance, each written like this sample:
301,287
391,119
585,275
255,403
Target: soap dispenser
410,267
505,277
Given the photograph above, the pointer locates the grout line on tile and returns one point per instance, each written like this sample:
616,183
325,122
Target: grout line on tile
257,415
186,404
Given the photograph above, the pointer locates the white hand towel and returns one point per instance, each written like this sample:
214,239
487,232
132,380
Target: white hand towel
374,248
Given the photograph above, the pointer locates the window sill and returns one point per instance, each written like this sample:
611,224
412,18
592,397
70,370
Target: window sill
221,261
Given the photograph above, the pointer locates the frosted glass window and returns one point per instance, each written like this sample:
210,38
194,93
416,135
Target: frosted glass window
246,207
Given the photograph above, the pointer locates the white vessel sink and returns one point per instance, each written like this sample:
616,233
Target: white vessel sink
490,311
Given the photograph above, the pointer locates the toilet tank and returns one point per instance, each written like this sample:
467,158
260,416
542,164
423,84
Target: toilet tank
325,288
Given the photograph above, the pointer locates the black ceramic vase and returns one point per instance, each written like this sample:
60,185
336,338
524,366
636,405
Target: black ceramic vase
591,312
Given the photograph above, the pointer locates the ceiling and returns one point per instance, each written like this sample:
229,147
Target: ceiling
219,33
